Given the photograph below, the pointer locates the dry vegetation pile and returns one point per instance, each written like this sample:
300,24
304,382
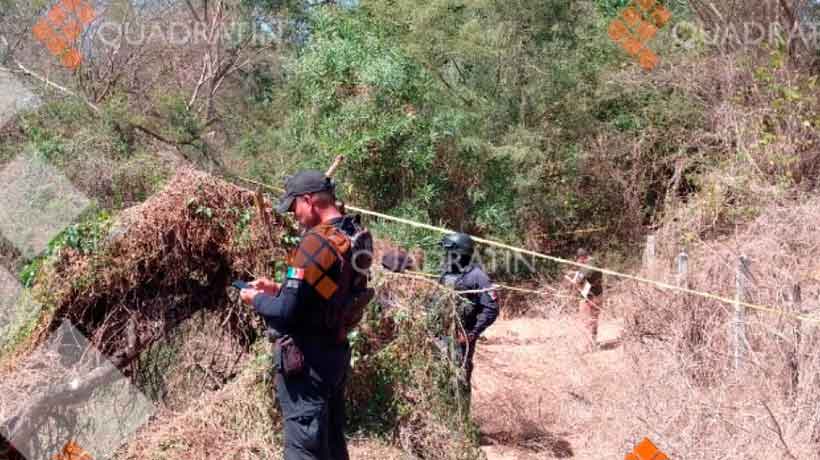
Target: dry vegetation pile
164,260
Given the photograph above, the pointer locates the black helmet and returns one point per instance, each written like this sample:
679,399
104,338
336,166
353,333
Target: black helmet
459,243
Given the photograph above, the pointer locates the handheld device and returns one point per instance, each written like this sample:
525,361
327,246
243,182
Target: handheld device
241,285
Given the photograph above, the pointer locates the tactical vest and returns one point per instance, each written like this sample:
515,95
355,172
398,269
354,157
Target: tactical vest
339,271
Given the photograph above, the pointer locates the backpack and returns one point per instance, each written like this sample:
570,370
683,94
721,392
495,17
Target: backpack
354,248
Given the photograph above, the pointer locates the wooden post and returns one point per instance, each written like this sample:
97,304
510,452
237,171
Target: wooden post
683,270
340,205
739,342
809,362
333,167
259,198
793,353
649,255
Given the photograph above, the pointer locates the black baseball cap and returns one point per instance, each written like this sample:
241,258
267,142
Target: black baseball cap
308,181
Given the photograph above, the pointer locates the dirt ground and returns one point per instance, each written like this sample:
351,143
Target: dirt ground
538,391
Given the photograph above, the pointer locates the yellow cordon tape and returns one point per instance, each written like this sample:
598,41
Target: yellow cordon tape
582,231
496,286
559,260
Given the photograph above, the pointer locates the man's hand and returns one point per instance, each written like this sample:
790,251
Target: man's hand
247,295
265,285
465,339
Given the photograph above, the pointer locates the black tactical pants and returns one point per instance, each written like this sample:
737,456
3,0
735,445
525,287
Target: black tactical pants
465,352
461,355
313,410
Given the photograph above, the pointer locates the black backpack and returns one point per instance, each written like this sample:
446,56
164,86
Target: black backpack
353,295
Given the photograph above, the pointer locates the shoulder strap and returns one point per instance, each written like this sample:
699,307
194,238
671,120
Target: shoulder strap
333,235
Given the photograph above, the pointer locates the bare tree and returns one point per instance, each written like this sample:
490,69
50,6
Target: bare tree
735,16
145,54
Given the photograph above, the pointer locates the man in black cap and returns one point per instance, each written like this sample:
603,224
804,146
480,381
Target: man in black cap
477,310
310,309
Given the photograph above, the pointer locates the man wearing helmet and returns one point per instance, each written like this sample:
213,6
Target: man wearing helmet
479,307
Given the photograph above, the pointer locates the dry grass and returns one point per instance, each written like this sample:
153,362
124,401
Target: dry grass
671,379
240,420
678,385
687,391
539,394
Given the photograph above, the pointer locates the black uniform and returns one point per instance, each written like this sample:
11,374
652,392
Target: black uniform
478,311
312,403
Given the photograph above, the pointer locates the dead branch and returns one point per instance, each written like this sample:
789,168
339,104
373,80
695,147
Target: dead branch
778,430
48,82
23,426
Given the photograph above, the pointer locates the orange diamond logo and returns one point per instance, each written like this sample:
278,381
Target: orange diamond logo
72,451
637,25
645,450
61,27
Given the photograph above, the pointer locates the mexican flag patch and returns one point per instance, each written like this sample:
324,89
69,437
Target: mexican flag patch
296,273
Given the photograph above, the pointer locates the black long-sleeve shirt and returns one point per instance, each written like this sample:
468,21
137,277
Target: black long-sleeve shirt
301,307
279,311
486,303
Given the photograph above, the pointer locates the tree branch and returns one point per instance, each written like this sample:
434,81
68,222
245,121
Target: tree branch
50,83
159,136
23,426
778,430
193,11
